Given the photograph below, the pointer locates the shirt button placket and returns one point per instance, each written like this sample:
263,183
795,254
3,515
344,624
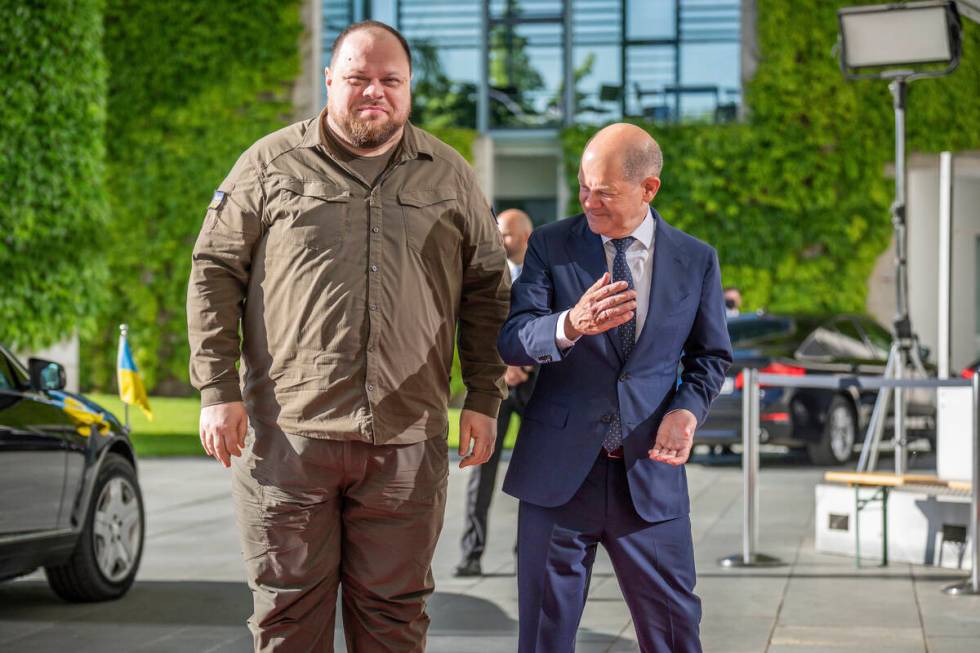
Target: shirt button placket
374,303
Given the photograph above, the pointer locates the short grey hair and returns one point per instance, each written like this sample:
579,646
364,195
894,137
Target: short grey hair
642,160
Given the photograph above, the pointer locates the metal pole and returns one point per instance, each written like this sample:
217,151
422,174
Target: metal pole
868,461
972,585
568,65
751,456
750,479
124,331
483,90
945,256
903,331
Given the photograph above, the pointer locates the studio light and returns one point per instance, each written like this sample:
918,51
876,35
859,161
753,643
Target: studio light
900,37
898,42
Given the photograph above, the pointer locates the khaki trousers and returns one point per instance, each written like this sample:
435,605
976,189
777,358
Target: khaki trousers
317,514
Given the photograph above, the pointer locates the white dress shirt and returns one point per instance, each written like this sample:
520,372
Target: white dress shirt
639,259
515,270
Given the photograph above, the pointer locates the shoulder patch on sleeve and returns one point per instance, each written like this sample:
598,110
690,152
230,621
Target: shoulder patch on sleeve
217,200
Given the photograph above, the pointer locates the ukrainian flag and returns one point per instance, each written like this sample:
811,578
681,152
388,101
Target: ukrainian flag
131,389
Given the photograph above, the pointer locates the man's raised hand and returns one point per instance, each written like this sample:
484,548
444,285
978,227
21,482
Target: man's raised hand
604,306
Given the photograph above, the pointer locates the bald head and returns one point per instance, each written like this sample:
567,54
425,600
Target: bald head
631,147
515,228
378,29
618,178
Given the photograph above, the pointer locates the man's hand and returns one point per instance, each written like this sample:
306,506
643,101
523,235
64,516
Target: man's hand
604,306
514,375
222,430
675,438
482,431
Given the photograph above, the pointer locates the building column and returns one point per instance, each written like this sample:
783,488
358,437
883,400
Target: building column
308,87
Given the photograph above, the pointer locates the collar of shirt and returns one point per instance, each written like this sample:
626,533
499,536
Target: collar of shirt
643,232
515,269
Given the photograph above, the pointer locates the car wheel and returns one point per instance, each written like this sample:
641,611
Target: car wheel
836,444
108,552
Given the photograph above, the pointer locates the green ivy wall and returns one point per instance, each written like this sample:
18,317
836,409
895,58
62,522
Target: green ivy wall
191,85
796,199
53,246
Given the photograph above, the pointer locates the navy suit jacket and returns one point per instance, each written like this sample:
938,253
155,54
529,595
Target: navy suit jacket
576,392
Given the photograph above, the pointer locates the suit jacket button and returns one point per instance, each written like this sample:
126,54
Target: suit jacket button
606,419
624,377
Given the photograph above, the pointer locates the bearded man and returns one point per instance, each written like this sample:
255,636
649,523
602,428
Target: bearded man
345,250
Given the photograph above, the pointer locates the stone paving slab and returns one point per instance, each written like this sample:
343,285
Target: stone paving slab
190,594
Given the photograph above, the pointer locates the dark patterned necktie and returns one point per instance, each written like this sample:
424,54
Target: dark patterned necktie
627,335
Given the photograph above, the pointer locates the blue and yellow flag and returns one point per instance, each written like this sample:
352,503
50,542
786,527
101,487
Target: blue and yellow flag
131,389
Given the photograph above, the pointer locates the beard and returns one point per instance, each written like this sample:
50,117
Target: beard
369,134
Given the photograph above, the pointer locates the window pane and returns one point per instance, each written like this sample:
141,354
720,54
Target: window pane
709,80
525,74
597,91
445,39
650,19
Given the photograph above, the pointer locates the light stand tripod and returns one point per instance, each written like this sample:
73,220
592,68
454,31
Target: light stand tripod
905,346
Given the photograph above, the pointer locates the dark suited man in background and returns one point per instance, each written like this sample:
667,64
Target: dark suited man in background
609,303
515,228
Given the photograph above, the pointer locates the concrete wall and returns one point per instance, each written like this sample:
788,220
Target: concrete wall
308,87
923,253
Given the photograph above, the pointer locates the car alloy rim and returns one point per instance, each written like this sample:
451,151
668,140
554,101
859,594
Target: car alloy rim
841,433
117,531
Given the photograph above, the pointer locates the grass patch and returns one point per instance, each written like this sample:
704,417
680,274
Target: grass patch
173,432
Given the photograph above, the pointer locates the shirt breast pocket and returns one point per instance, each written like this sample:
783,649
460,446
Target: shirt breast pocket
427,214
312,214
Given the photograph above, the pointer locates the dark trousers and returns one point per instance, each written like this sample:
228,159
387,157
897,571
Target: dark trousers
315,515
654,564
483,482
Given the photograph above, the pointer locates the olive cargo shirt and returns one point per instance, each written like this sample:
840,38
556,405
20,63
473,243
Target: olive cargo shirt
348,296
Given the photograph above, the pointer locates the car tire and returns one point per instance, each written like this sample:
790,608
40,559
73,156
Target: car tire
107,556
836,443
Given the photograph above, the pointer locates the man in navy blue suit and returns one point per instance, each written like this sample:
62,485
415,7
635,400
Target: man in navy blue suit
610,304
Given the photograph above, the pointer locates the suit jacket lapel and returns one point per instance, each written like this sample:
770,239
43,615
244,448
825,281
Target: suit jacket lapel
668,271
590,264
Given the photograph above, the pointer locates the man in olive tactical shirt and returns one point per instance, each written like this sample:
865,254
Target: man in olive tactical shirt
346,249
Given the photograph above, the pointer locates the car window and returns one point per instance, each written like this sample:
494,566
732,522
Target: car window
758,330
6,379
16,372
837,339
877,335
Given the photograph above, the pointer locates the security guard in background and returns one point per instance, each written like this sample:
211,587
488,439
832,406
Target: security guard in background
515,227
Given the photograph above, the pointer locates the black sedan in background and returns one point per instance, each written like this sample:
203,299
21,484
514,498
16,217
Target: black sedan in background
826,423
69,497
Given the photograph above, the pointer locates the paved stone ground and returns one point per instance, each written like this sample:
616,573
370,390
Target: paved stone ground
190,595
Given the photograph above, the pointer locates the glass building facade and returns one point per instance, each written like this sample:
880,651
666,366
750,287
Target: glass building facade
540,64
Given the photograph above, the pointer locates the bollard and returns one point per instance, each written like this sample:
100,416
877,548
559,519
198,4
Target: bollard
750,480
971,586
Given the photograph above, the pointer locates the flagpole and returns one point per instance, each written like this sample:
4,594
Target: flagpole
124,330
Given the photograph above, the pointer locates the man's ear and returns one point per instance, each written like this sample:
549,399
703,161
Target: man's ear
650,187
327,76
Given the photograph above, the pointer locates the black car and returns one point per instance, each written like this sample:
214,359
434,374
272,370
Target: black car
70,500
827,423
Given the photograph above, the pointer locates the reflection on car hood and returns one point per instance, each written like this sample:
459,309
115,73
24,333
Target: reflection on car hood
85,413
